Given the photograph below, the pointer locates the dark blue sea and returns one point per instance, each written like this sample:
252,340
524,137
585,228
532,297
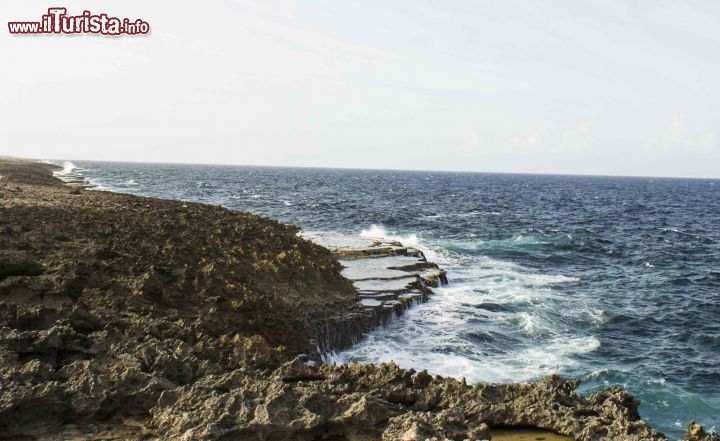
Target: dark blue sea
607,279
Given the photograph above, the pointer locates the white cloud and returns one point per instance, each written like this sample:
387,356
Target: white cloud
681,137
539,140
578,138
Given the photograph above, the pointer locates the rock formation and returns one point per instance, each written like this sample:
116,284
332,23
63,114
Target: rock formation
388,277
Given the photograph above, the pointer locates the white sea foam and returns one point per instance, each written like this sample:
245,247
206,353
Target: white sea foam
528,239
431,352
598,315
532,323
432,253
496,321
67,169
379,232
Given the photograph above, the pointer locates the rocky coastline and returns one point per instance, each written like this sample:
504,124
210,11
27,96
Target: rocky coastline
388,277
131,318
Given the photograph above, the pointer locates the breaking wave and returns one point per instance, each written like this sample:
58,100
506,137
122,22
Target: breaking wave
497,321
67,169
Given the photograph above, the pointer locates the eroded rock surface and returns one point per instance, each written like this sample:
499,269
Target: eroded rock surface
388,277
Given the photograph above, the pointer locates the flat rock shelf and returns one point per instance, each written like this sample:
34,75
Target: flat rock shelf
388,276
74,179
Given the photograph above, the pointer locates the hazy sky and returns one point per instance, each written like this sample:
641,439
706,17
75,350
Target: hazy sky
587,87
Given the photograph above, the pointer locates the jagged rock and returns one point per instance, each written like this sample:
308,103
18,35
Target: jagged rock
303,402
695,432
389,278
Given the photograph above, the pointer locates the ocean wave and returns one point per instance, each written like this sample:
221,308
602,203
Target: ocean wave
501,273
465,357
379,232
520,337
468,214
432,253
516,242
556,355
67,169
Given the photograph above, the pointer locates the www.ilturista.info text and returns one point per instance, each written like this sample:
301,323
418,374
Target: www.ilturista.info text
56,21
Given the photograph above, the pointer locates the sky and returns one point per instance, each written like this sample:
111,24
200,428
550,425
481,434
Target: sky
575,87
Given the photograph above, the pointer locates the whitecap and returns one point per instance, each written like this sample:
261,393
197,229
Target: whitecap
597,314
67,168
379,232
97,186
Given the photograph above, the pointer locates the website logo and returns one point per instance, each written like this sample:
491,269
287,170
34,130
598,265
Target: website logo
57,21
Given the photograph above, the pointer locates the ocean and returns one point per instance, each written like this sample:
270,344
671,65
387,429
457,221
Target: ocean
611,280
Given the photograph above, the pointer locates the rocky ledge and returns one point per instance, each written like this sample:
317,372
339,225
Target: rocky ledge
128,318
388,277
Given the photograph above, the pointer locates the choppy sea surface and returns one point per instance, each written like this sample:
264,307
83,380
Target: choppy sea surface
607,279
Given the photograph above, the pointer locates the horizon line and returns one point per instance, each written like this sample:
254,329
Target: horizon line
599,175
